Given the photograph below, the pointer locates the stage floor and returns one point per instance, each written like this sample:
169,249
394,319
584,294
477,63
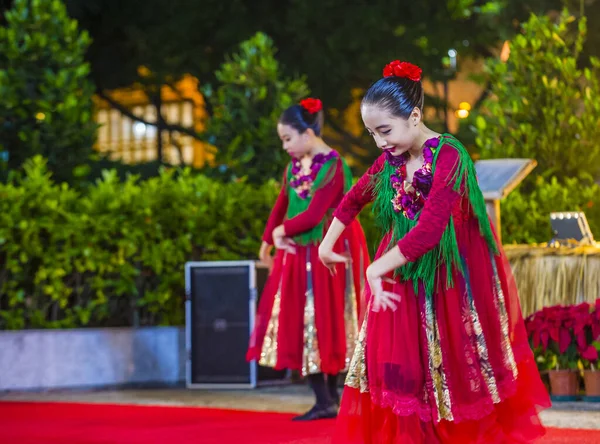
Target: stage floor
293,398
94,423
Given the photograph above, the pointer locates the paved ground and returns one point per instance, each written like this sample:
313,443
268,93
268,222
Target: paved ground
289,398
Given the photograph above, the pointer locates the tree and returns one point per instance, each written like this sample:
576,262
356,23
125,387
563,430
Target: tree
151,46
251,95
340,46
544,106
46,105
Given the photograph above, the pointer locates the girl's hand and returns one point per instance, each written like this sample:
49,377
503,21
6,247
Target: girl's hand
330,259
382,299
265,255
279,231
282,242
285,243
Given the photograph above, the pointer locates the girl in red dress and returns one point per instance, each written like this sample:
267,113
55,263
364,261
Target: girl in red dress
307,317
442,355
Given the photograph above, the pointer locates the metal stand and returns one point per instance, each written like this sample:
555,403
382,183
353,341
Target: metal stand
497,178
493,209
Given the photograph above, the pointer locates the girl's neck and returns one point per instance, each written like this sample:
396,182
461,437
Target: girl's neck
416,150
319,147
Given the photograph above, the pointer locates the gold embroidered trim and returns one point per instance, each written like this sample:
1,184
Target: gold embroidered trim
357,371
350,316
441,392
311,358
482,351
509,357
268,352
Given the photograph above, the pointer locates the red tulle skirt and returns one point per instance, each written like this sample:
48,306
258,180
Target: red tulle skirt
307,319
452,368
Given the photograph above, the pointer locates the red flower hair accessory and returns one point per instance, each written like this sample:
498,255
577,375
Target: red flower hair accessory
403,70
311,105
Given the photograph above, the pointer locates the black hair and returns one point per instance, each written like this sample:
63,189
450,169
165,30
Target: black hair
300,119
397,95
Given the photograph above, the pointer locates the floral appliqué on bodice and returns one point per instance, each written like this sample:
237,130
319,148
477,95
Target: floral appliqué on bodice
411,196
301,182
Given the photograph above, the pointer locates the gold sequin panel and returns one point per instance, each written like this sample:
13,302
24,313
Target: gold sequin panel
350,313
482,352
507,351
311,358
441,392
478,341
357,371
268,353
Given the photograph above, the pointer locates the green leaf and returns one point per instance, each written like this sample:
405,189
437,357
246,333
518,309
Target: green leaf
481,123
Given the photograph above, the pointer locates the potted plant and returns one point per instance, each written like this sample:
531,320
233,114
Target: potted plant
587,333
545,361
552,336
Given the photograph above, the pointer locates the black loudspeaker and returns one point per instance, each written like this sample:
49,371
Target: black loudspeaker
221,301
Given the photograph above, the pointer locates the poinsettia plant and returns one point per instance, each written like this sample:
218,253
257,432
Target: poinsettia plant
565,337
588,338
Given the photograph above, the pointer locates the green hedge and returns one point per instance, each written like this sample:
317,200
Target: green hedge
114,255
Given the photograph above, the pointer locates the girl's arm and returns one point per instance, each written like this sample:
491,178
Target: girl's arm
359,195
320,203
277,213
354,201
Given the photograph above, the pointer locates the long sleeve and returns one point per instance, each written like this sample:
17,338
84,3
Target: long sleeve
277,213
322,200
436,211
359,195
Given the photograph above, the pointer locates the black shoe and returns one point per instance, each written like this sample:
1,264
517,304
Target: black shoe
318,412
336,401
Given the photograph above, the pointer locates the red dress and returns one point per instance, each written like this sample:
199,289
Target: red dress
452,368
307,319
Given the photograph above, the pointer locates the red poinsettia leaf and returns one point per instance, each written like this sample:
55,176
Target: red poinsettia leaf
596,331
554,333
590,353
581,340
565,340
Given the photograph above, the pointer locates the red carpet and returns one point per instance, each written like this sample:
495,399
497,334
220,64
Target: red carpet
64,423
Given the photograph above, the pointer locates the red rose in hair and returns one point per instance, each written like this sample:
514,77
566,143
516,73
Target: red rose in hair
403,70
311,105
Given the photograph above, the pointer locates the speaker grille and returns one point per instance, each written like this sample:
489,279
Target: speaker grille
220,323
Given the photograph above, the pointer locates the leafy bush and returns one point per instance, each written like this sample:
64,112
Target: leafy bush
114,255
46,105
543,105
525,216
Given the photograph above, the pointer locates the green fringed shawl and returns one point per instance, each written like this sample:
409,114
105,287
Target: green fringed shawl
423,270
297,205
